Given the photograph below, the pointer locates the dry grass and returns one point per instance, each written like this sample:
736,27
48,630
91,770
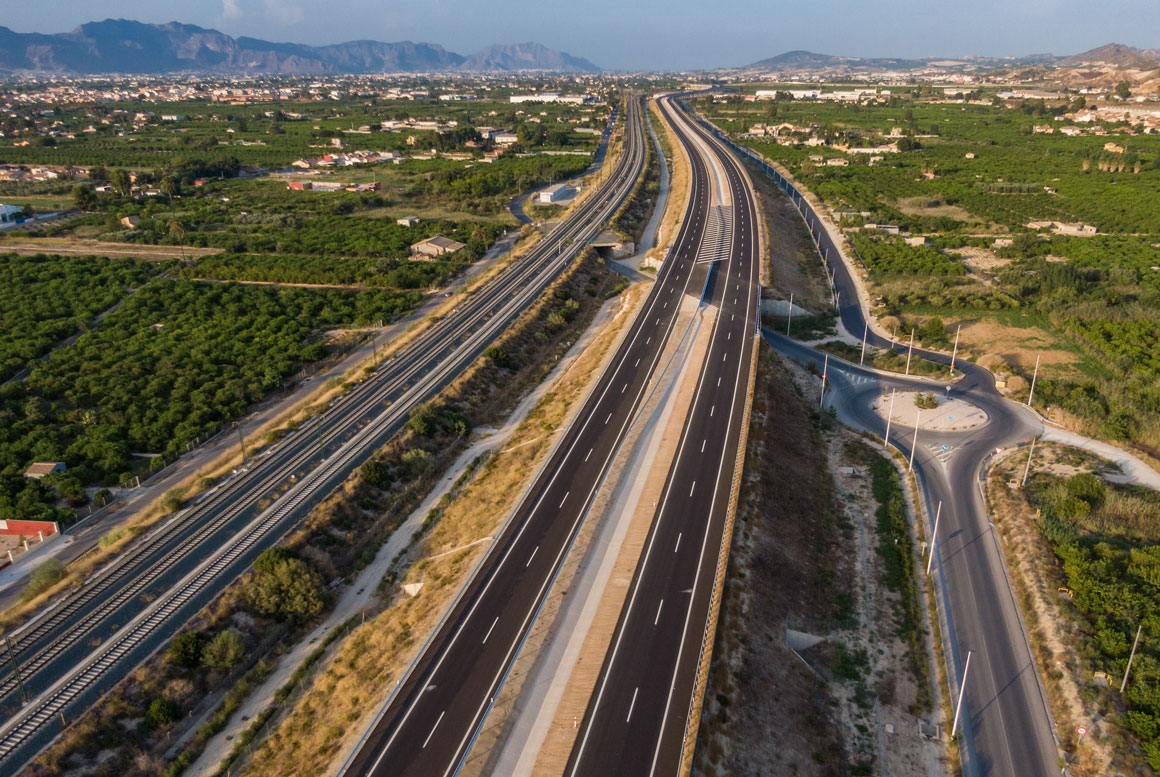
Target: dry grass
71,246
680,186
935,207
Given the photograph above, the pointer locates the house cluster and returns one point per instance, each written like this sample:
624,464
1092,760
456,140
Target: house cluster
332,186
37,174
1065,228
554,97
842,95
348,159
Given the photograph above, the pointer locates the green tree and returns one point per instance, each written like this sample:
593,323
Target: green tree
84,198
119,180
186,649
1124,90
375,473
161,712
289,591
225,651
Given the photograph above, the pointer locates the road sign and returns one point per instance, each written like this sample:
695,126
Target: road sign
1081,730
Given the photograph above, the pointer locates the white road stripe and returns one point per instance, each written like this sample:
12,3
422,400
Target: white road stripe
534,552
657,619
428,739
630,706
489,631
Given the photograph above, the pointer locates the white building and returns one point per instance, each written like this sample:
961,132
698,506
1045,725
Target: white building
10,213
559,193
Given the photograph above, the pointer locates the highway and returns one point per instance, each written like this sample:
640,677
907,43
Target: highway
428,724
1006,728
79,648
638,720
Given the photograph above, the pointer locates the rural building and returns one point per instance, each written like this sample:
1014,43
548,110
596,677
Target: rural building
559,193
10,214
407,221
505,138
434,247
130,222
42,468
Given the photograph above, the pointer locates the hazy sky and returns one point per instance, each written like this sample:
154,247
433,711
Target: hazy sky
649,34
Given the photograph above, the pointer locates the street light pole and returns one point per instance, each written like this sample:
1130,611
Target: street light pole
914,445
865,332
889,418
1027,469
1127,671
910,350
825,369
933,538
789,320
962,691
956,351
1033,378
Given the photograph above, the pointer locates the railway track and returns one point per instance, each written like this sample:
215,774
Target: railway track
184,562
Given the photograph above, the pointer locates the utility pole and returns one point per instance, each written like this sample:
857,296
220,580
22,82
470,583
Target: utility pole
910,350
20,681
956,351
825,369
241,440
1135,644
933,538
1033,378
962,690
790,319
865,332
1027,469
889,418
914,445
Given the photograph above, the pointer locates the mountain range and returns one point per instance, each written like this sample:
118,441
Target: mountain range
1113,55
124,46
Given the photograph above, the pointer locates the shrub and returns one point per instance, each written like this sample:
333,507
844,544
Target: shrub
225,651
161,712
187,648
47,574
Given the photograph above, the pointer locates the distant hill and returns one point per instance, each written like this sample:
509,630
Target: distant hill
527,56
1116,55
131,47
808,60
1113,55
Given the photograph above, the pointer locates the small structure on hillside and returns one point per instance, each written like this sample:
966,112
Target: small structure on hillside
434,247
42,468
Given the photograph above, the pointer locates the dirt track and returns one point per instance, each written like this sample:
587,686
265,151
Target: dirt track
71,247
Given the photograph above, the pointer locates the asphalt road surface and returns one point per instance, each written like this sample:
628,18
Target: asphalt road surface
1006,728
429,723
637,722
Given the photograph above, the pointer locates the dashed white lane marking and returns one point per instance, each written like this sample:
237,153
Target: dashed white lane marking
534,552
488,634
437,722
630,706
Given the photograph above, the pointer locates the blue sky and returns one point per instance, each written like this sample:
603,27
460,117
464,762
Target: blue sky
650,34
